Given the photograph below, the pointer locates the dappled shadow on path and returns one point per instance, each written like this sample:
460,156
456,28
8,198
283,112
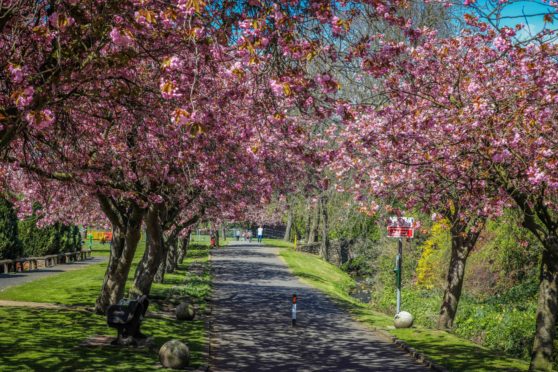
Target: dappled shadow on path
252,331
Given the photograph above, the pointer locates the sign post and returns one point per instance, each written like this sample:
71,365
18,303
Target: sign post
400,227
397,270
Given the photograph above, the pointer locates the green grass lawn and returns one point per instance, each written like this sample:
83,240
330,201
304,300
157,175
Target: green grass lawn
276,243
38,339
441,347
79,287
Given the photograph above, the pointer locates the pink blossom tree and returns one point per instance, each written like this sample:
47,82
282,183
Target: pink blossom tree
479,110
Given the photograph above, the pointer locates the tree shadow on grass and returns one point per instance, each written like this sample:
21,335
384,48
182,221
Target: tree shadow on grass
310,277
464,357
50,340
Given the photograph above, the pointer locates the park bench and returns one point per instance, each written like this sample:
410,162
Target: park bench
20,263
7,266
50,260
71,256
126,316
85,254
33,262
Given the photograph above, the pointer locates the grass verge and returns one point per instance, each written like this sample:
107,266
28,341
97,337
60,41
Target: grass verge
267,242
443,348
38,339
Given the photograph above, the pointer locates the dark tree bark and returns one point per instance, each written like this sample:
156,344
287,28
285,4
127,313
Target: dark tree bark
162,268
325,245
172,255
544,226
287,236
307,220
547,308
153,254
313,232
155,260
184,248
126,219
463,241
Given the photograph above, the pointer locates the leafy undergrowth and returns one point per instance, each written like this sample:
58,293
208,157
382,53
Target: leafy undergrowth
38,339
441,347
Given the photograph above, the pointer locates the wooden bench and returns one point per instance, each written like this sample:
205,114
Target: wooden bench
20,263
85,254
7,266
50,260
33,262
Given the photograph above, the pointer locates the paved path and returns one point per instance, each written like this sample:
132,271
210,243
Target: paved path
252,332
13,279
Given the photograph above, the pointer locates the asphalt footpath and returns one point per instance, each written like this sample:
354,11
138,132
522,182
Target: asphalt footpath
252,330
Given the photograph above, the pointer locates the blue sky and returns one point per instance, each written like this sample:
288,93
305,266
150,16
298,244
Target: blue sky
529,13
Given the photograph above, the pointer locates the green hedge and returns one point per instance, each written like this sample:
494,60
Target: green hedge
10,246
52,239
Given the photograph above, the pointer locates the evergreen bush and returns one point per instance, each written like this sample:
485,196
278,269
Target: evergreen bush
10,246
56,238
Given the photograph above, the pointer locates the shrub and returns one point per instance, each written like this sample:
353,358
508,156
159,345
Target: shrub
51,239
10,246
357,266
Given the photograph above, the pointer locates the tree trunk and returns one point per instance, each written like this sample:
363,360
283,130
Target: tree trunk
547,309
162,268
324,246
461,246
153,254
307,221
314,225
287,236
184,248
172,255
126,235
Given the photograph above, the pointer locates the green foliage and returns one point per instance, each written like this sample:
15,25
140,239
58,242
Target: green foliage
434,252
344,218
10,246
498,305
51,239
357,266
449,350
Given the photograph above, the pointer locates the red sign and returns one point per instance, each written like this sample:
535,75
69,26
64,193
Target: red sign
401,227
400,232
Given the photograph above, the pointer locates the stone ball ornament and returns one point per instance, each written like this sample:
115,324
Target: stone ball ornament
403,319
174,354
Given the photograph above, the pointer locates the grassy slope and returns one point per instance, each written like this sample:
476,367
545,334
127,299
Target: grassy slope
442,347
49,339
276,243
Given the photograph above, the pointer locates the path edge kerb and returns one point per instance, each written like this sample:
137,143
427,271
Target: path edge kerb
209,349
418,356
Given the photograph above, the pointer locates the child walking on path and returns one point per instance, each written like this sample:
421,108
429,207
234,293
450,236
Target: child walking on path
260,234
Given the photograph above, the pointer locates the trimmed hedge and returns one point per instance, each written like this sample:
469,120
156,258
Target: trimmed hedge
52,239
10,246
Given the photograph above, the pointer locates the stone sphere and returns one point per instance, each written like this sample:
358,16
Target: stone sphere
174,354
403,319
185,311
